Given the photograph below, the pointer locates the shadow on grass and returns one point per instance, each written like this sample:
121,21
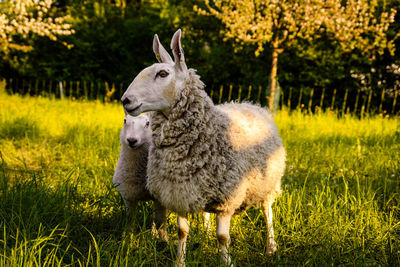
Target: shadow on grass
82,134
29,208
19,128
104,141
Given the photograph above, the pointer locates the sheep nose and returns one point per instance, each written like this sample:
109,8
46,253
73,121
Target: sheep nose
125,101
132,142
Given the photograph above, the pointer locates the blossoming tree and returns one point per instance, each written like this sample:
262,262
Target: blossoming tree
19,19
354,24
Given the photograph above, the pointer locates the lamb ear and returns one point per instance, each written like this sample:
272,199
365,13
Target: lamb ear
178,51
160,52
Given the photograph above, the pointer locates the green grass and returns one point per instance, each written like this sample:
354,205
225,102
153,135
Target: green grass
339,206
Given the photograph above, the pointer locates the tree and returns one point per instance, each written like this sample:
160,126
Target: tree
19,19
107,45
359,25
279,23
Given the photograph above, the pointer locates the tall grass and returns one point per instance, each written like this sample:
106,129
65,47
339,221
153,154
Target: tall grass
339,206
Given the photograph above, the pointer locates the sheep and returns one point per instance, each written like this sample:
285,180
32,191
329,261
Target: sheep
204,157
130,172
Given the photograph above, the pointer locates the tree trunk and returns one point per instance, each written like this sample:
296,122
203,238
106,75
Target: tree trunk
272,76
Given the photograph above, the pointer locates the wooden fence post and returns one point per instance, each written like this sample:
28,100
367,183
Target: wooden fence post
382,99
344,102
300,96
394,101
221,89
321,102
85,90
363,106
240,93
64,88
249,94
70,89
310,100
259,94
105,98
92,90
333,99
61,87
356,103
78,95
369,100
230,93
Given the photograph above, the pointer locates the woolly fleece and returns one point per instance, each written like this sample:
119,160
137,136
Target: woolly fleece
130,173
220,159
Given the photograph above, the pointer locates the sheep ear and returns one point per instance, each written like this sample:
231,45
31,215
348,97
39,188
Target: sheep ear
160,52
178,51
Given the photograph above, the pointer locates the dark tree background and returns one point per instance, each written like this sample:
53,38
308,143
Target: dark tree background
113,42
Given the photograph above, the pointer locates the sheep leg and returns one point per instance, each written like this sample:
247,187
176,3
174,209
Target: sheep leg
160,215
267,211
223,225
131,209
183,231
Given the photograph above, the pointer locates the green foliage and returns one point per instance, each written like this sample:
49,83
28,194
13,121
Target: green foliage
112,42
339,206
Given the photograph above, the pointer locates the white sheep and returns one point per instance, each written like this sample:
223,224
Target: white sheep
221,159
130,173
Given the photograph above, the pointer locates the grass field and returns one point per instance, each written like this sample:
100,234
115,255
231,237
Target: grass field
339,206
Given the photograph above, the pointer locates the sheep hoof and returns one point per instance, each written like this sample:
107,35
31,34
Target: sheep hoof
159,233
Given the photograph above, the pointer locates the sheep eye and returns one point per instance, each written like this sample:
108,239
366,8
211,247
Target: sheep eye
162,73
147,124
124,121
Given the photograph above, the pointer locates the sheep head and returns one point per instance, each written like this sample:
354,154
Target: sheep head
156,87
136,131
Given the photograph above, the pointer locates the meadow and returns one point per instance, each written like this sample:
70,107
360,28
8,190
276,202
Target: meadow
339,206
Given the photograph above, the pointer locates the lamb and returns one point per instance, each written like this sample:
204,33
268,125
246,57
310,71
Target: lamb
221,159
130,173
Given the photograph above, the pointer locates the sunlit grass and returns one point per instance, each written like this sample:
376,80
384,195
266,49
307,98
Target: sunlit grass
339,206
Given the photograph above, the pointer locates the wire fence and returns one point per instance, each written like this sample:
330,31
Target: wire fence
343,101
